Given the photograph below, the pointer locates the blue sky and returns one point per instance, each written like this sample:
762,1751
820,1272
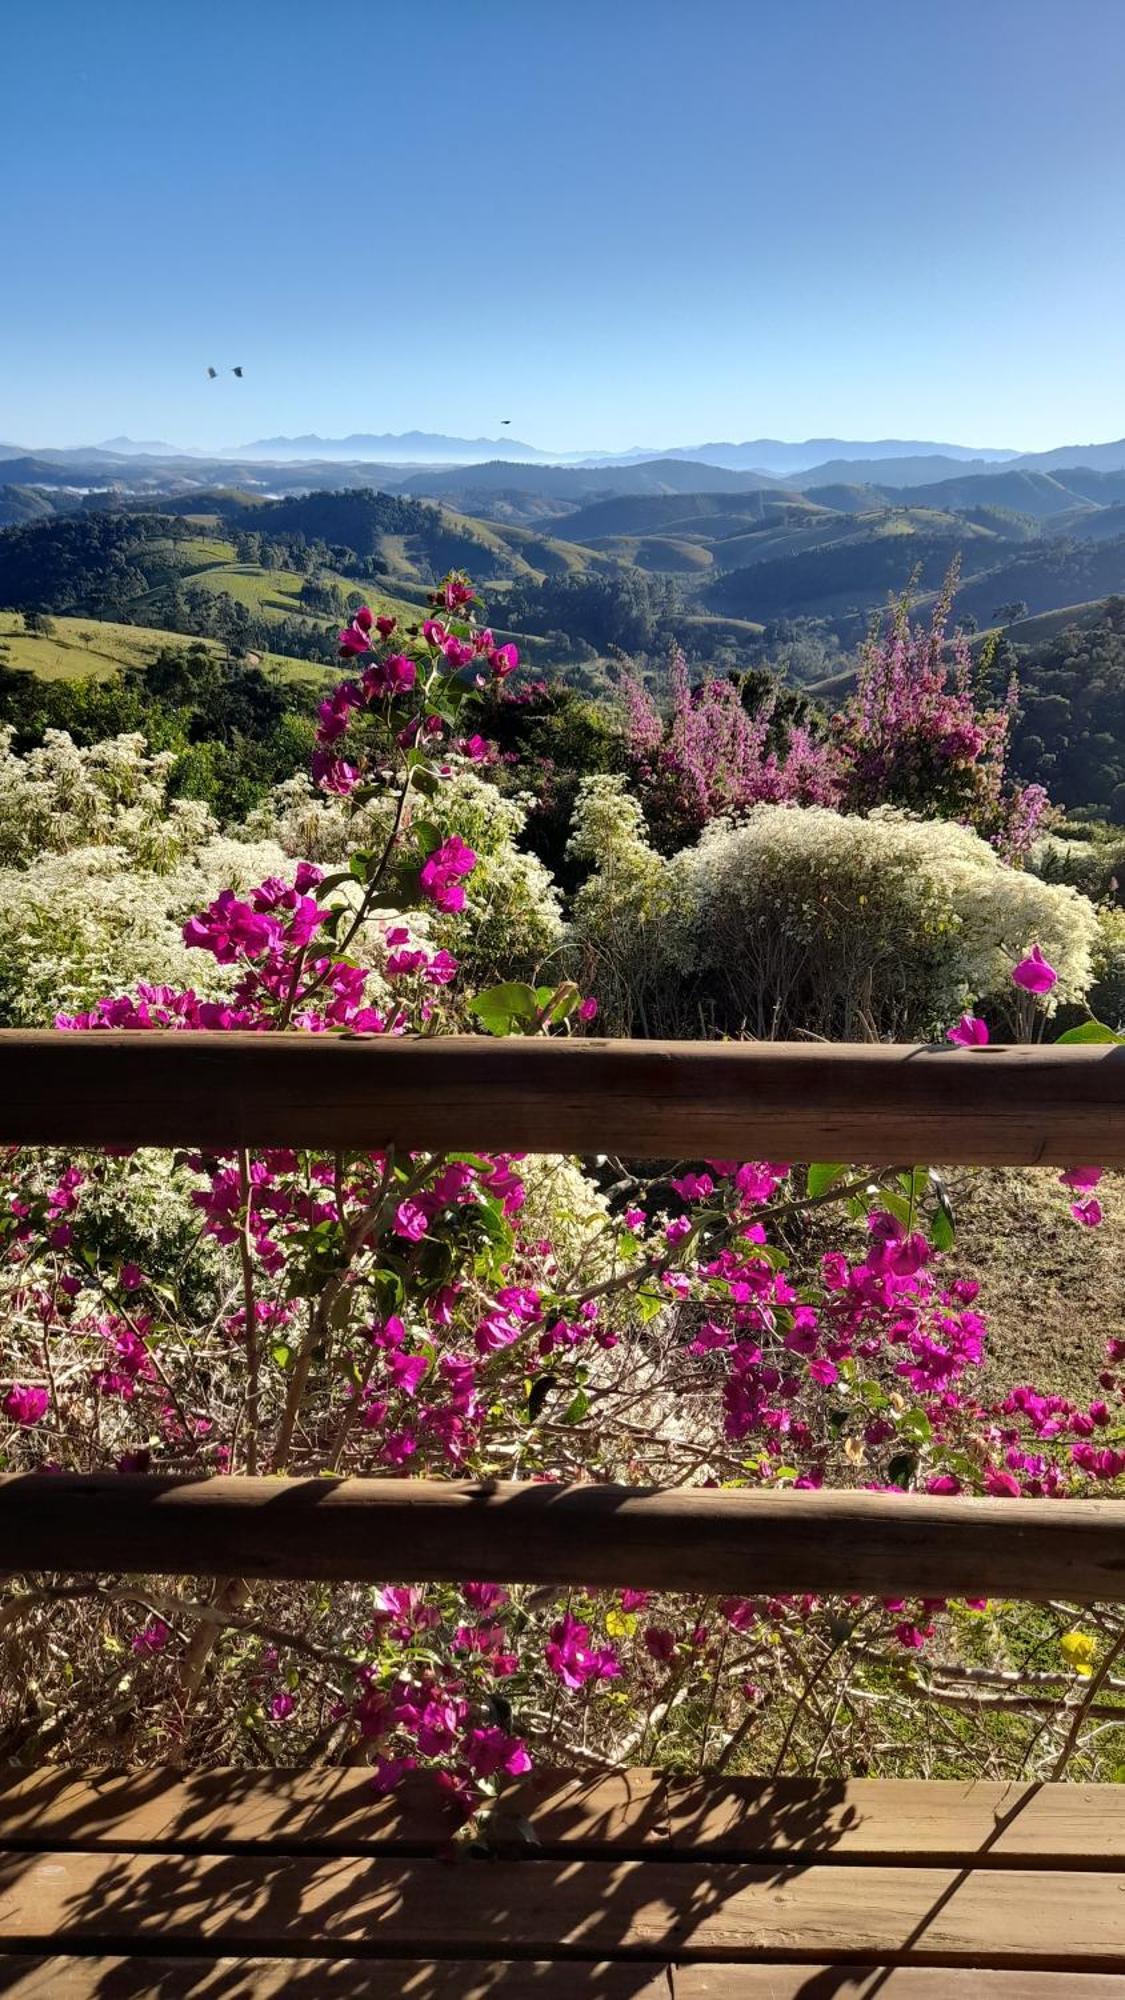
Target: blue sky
616,222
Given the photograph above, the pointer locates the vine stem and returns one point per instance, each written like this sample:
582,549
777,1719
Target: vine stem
252,1404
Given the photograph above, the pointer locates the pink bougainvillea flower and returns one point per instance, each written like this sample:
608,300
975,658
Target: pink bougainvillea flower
1088,1212
132,1277
385,626
1081,1179
25,1404
281,1706
1003,1485
442,872
574,1661
152,1638
1034,974
970,1033
352,641
588,1009
363,617
332,774
504,660
395,675
660,1643
490,1750
410,1221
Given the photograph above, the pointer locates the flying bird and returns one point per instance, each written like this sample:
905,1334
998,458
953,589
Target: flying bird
505,420
238,372
212,372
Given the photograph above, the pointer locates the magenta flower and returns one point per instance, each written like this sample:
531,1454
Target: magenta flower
504,660
363,617
353,640
970,1033
1034,974
441,873
1002,1485
281,1706
490,1750
385,626
410,1221
575,1662
395,675
228,928
132,1277
660,1643
1081,1179
1088,1212
406,1370
588,1009
332,774
25,1404
152,1638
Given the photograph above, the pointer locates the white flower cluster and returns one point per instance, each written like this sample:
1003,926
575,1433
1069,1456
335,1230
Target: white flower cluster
77,926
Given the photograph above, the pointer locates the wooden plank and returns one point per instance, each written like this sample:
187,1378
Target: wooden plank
328,1810
637,1812
146,1978
885,1982
907,1820
403,1530
648,1910
1023,1106
880,1982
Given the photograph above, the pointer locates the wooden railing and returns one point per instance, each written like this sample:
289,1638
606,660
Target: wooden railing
899,1105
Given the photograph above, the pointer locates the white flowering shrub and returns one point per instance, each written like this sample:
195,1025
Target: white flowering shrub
114,794
806,921
631,928
91,921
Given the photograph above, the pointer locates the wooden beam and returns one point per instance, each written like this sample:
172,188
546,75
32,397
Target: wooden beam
402,1530
1024,1106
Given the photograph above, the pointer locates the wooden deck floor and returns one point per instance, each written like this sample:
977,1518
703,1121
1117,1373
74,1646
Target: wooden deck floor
629,1886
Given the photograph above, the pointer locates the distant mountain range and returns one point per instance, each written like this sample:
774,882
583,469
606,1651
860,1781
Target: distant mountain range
486,476
769,455
772,456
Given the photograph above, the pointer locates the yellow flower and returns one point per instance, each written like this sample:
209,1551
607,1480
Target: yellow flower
1079,1650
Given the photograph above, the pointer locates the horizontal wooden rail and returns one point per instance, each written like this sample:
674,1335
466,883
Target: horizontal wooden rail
413,1531
1021,1106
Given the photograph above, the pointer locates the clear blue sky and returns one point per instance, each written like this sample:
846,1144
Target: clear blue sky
617,222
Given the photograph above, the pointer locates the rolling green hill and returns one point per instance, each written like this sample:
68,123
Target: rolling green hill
91,648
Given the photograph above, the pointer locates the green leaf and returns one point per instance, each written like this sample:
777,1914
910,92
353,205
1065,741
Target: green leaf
427,837
916,1425
822,1176
576,1410
942,1229
1090,1031
507,1009
282,1355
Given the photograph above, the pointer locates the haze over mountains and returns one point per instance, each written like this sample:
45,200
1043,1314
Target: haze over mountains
773,456
399,459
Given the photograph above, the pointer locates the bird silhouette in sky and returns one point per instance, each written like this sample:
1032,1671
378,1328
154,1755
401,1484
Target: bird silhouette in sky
213,372
505,420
